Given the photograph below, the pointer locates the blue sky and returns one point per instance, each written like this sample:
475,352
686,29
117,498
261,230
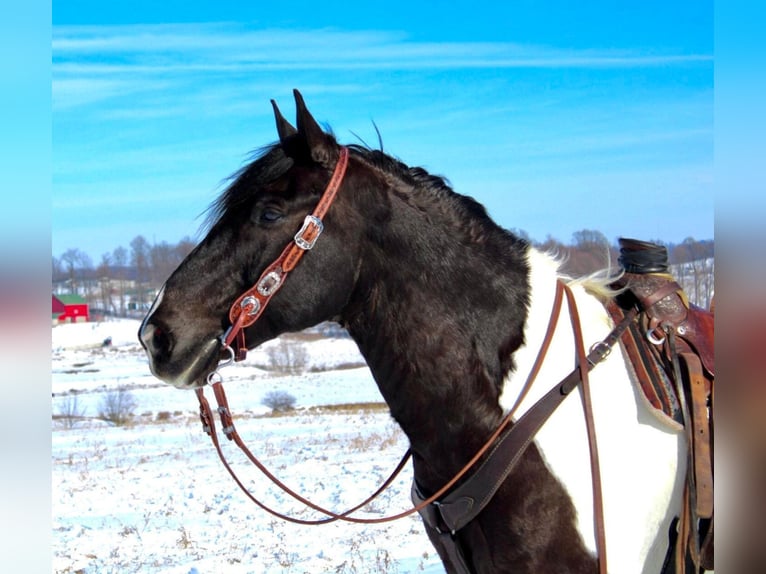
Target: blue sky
558,119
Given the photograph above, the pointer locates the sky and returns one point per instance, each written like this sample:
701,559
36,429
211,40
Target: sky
591,115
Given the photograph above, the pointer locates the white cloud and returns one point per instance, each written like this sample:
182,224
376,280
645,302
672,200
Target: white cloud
92,64
229,47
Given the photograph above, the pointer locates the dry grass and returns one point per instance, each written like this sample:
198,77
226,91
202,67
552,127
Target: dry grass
349,408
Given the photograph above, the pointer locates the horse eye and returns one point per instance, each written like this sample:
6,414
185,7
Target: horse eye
270,215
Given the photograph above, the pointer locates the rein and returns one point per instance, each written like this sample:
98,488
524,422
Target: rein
228,428
445,514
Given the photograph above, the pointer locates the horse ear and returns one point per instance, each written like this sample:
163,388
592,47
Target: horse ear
321,146
284,128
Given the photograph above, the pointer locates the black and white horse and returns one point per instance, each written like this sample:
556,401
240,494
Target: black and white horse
449,311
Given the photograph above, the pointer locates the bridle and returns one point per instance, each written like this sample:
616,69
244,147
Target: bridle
505,445
245,311
250,305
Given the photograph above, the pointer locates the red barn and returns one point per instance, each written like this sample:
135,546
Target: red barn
72,308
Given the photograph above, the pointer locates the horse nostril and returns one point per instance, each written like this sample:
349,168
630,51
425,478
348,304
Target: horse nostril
157,340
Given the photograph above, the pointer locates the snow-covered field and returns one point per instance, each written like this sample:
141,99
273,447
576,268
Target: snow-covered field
152,496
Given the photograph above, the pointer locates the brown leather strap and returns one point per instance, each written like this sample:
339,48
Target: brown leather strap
249,306
682,540
649,371
231,433
687,542
700,447
558,299
208,424
595,467
465,502
459,506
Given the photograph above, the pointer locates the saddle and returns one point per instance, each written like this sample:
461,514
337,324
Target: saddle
670,350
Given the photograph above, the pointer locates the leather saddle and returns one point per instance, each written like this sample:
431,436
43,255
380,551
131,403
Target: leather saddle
670,349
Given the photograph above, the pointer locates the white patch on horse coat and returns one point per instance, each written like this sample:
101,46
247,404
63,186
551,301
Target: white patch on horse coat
642,461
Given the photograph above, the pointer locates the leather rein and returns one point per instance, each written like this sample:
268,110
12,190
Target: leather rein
505,446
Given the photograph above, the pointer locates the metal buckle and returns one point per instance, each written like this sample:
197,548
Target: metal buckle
602,348
309,232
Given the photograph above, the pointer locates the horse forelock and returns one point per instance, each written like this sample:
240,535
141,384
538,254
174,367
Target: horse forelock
266,164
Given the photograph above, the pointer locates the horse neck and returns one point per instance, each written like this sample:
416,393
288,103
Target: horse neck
437,318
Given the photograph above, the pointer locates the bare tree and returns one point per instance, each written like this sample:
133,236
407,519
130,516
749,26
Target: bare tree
117,406
553,246
104,273
586,239
183,248
120,264
76,264
590,252
695,269
162,262
70,411
58,271
279,401
139,258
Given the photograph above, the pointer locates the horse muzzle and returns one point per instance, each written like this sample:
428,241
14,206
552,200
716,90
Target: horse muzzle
183,367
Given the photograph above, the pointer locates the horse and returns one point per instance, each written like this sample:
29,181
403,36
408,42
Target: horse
450,311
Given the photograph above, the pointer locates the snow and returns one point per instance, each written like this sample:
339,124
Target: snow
152,495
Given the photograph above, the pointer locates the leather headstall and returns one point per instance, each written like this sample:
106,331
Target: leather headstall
250,305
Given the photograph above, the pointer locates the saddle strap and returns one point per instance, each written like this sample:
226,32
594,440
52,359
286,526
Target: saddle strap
464,503
649,372
703,465
696,524
447,516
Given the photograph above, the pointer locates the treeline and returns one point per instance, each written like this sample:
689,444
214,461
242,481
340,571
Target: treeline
123,280
143,262
692,262
590,251
129,277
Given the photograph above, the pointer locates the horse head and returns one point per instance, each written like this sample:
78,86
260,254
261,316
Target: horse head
251,223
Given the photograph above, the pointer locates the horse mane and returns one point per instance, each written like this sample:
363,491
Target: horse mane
270,162
468,217
265,164
599,283
415,176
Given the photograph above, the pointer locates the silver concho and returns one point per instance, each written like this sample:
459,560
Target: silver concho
251,301
270,283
